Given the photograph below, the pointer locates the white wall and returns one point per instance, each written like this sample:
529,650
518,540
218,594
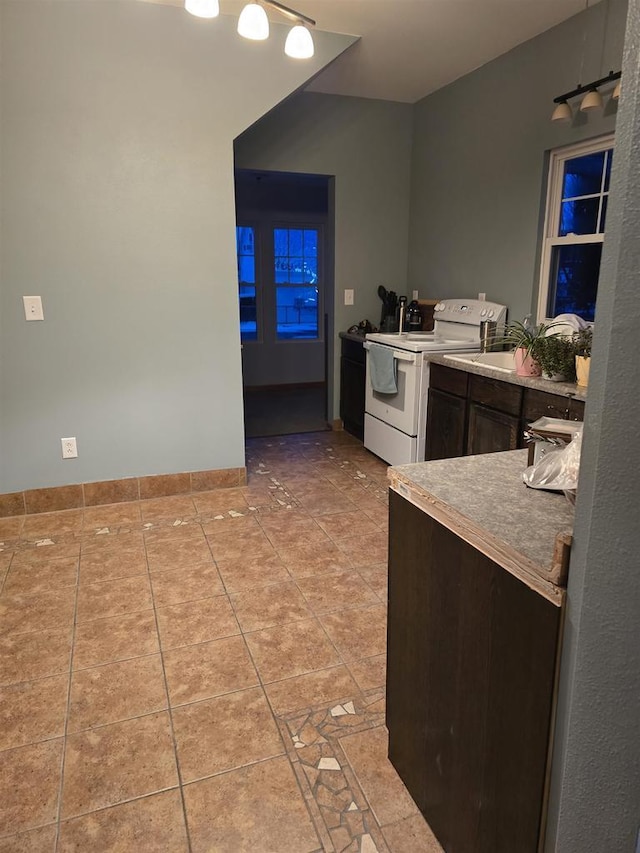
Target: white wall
366,145
118,209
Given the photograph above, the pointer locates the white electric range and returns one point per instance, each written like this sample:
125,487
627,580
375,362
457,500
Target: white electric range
395,424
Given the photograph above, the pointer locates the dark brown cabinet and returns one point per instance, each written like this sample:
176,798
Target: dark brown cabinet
470,413
471,672
447,416
352,386
539,404
491,431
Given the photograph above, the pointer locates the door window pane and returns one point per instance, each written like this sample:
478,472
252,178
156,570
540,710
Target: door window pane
297,312
248,314
295,255
245,247
574,279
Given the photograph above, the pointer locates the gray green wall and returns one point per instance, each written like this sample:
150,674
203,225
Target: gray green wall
117,207
366,145
478,168
595,802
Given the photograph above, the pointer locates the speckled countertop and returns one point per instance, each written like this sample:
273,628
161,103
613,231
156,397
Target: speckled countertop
483,500
350,336
563,389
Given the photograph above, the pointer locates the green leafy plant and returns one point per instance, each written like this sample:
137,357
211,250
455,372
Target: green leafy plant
582,342
523,335
556,356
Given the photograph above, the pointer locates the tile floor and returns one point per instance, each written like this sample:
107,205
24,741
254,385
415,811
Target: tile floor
205,672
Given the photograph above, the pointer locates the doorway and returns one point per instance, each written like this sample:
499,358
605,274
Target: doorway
284,247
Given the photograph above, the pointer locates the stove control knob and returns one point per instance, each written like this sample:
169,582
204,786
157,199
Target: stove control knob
483,313
491,313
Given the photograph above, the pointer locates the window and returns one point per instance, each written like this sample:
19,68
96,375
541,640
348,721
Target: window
246,253
577,197
295,257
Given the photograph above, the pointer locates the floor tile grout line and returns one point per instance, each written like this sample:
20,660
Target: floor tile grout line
110,806
280,735
171,722
66,720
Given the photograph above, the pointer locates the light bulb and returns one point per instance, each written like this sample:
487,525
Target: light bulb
299,44
591,101
562,112
617,90
203,8
253,23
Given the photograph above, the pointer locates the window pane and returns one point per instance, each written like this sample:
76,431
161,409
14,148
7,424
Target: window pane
583,175
280,241
246,254
248,316
297,313
579,217
295,255
245,246
573,283
607,174
295,242
310,244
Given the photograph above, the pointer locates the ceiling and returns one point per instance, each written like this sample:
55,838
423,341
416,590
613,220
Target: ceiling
410,48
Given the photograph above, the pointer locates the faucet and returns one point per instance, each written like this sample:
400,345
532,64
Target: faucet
402,301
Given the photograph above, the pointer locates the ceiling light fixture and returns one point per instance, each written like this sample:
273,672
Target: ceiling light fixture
591,101
253,23
203,8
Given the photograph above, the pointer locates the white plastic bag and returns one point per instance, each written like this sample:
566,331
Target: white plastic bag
558,469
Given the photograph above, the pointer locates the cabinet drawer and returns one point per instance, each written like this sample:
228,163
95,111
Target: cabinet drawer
353,350
448,379
539,404
495,394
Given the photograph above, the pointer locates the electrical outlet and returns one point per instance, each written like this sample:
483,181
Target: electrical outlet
69,448
348,297
33,308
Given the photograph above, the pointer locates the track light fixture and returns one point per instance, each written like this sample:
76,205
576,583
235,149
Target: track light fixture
253,23
591,101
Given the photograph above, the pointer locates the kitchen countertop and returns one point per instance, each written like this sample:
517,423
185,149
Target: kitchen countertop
483,500
562,389
350,336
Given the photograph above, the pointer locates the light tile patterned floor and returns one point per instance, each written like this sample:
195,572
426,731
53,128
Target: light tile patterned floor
205,672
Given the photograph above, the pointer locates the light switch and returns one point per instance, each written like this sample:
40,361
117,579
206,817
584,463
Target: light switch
33,308
348,297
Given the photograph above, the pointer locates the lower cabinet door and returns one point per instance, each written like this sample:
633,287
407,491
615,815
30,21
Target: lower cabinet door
491,431
446,425
470,686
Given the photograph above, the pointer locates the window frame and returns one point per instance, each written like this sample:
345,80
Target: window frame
550,240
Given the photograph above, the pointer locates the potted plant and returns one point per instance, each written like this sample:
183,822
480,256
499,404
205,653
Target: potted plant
526,340
582,349
556,357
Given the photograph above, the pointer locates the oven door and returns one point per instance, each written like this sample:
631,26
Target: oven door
399,410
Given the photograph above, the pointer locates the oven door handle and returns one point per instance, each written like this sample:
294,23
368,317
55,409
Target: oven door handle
399,356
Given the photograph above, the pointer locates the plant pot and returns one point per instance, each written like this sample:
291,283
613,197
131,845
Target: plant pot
582,370
554,377
526,365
